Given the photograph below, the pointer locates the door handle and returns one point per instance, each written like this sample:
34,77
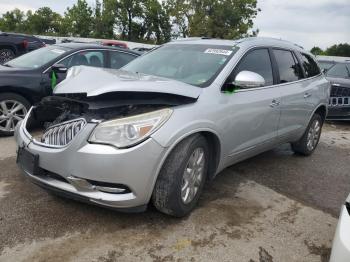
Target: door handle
306,95
274,103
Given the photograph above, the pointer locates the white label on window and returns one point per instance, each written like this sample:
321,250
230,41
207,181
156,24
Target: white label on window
218,51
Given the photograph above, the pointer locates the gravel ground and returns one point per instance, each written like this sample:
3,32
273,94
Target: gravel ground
274,207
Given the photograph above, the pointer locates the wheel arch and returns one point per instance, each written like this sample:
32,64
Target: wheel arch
322,111
8,46
18,91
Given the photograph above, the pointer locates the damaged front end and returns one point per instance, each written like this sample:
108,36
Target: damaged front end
57,120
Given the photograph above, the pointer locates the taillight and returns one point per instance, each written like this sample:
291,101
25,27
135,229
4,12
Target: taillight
25,44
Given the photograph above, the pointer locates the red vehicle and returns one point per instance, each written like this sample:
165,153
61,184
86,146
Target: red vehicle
114,43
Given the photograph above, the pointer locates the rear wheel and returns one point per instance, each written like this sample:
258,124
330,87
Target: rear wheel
13,109
6,55
182,177
309,141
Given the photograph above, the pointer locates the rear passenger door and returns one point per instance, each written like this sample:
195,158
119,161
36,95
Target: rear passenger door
295,94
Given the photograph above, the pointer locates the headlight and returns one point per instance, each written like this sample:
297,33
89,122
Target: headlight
128,131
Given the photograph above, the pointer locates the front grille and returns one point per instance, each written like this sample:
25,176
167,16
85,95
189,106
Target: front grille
63,133
340,96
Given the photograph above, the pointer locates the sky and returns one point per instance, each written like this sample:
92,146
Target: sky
305,22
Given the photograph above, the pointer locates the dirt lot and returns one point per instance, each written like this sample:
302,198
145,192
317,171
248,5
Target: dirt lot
274,207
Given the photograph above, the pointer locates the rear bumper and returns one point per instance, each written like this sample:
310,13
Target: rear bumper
341,242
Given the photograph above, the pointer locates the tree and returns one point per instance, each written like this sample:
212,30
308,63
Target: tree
226,19
12,21
339,50
317,50
43,21
129,15
179,11
78,20
156,22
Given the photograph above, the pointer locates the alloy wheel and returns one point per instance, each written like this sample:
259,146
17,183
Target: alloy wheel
11,112
193,175
5,55
313,135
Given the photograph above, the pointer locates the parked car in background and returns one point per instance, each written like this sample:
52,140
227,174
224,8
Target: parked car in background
13,45
341,242
48,41
326,62
114,43
339,102
142,49
160,127
28,78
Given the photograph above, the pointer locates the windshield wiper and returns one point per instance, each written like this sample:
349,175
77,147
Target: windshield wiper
7,65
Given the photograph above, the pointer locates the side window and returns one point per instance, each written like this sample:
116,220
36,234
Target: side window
288,67
119,59
257,61
338,70
310,66
87,58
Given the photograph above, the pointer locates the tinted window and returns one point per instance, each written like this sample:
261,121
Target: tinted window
257,61
310,67
288,67
119,59
338,70
87,58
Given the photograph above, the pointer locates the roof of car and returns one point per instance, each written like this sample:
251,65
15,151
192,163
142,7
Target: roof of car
79,46
247,42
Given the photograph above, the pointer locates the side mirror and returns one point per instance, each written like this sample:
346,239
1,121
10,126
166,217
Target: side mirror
248,79
59,68
324,70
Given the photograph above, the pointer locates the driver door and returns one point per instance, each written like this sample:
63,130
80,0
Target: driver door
252,114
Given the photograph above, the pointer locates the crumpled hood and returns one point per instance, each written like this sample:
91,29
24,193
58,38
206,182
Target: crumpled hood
97,81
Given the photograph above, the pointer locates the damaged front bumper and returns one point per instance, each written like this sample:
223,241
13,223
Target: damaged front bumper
94,173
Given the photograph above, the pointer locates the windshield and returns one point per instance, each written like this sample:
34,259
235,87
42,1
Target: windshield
325,65
37,58
192,64
339,71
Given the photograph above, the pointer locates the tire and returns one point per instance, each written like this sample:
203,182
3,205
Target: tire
168,196
311,135
19,106
6,54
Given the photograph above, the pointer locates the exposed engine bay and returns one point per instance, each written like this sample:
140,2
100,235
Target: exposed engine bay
56,120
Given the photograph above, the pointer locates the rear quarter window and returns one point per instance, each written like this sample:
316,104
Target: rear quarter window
310,66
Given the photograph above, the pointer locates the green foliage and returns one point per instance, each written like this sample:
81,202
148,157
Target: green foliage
13,21
43,22
151,21
227,19
78,19
317,51
334,50
339,50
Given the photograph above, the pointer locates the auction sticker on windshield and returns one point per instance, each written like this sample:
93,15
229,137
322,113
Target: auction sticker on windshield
218,51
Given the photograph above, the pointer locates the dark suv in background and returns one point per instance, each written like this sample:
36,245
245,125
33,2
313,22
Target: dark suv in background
339,75
13,45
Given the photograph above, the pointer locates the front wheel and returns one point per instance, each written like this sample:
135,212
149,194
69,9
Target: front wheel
182,177
309,141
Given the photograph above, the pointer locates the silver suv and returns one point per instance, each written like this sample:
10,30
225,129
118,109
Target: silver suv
170,120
